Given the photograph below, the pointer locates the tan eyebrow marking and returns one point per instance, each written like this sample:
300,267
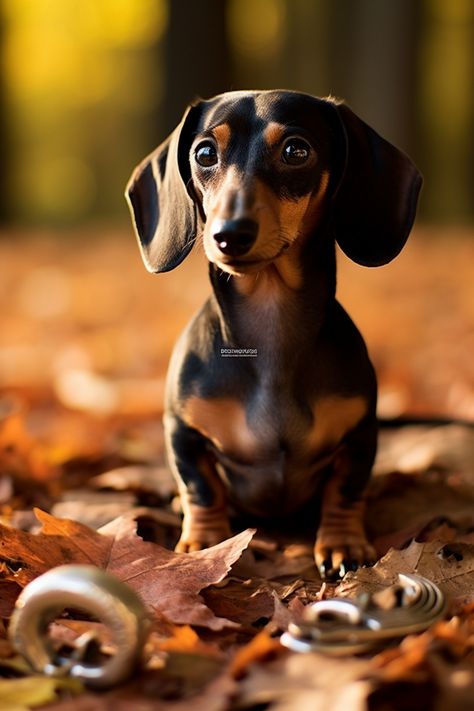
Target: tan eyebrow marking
222,135
273,133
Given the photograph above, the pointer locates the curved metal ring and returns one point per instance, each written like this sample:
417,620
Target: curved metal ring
340,626
95,592
340,610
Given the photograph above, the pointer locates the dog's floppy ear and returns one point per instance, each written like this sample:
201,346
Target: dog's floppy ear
163,212
375,202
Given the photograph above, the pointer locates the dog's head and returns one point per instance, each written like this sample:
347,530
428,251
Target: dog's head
256,172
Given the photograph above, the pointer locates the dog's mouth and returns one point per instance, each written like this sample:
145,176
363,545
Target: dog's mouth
240,267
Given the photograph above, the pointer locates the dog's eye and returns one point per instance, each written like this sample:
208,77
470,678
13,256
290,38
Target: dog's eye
206,154
295,151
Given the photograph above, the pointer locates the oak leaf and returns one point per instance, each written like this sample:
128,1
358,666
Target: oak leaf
167,582
448,565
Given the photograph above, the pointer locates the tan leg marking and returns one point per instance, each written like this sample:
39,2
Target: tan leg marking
341,537
204,526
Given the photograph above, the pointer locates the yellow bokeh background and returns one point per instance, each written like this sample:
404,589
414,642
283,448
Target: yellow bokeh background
87,87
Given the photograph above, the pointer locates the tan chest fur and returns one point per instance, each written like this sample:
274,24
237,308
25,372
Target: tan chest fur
224,422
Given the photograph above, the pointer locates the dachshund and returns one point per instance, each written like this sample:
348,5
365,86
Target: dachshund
271,397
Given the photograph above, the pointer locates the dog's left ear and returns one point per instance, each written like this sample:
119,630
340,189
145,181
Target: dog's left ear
375,202
163,211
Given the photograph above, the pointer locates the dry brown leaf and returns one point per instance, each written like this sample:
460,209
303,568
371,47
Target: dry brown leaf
159,694
244,602
419,448
8,595
450,566
166,581
299,682
273,564
401,505
410,659
437,660
20,453
141,478
422,530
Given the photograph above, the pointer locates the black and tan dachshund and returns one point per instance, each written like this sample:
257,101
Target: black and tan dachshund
271,396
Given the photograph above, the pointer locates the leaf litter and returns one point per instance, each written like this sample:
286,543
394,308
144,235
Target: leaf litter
83,479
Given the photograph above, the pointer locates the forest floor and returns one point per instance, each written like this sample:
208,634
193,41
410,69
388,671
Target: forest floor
85,338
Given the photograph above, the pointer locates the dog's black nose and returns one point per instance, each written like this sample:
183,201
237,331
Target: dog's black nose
235,237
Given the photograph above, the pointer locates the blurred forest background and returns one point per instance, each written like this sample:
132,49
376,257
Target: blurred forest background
89,87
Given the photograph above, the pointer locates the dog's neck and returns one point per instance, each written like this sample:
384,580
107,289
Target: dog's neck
275,309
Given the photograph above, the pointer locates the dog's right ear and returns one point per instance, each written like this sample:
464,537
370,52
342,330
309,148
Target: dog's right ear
163,212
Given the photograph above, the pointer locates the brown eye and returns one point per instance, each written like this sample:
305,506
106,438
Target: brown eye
295,151
206,154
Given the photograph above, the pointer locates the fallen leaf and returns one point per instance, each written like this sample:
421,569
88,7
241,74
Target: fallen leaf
418,448
411,657
93,508
166,581
183,675
284,614
401,505
261,647
185,639
298,682
31,691
450,566
20,452
147,479
436,661
8,595
273,564
215,696
245,602
423,529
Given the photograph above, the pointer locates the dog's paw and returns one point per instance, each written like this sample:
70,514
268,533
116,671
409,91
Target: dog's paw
202,528
190,543
335,558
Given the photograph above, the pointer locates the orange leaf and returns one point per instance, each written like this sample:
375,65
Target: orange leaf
261,647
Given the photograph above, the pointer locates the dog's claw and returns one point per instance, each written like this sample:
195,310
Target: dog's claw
325,568
335,561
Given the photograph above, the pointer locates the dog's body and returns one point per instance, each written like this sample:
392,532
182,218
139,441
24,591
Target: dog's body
271,395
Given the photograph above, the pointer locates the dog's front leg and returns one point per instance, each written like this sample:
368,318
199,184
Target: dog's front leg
202,493
341,542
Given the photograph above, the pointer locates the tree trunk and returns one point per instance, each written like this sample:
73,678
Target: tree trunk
197,57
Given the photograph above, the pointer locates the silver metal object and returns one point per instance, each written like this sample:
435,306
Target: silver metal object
91,590
340,626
